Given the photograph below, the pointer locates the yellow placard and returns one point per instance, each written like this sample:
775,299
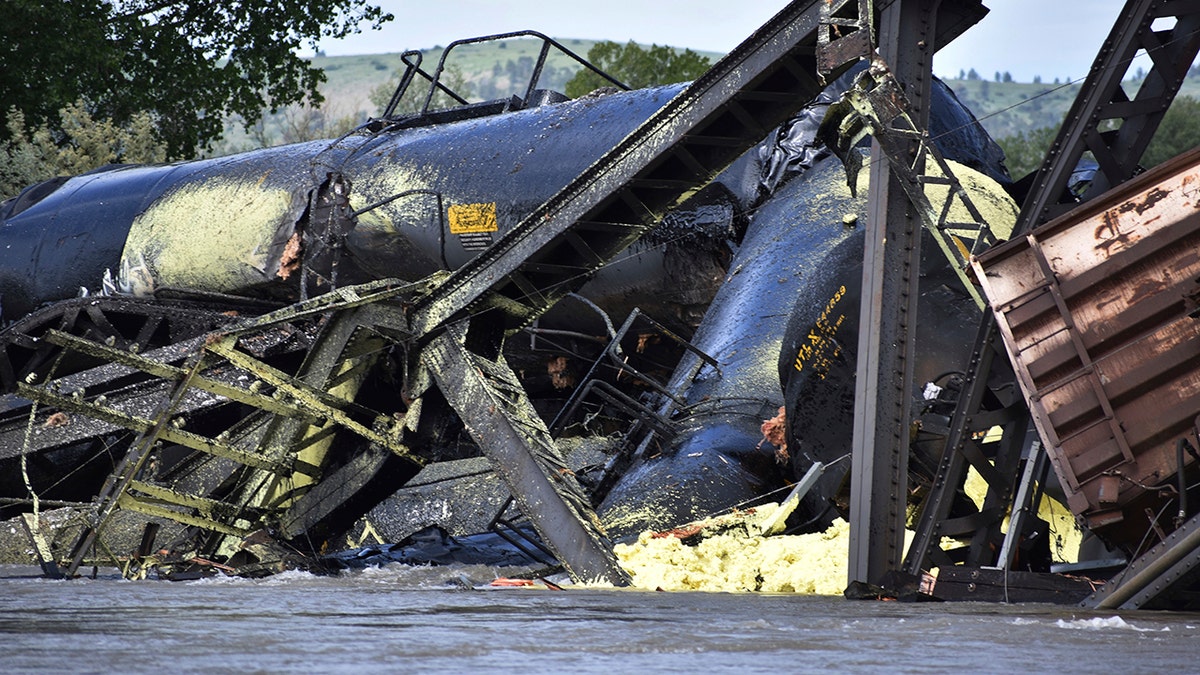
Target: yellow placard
472,218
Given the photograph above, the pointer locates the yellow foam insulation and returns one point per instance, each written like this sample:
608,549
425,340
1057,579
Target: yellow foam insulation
1065,535
734,556
996,208
212,236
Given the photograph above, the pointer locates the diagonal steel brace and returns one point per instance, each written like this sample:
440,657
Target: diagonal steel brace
878,106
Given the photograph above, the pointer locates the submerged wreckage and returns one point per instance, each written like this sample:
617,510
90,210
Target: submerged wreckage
254,362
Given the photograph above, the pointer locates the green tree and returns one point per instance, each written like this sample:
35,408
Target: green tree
1024,151
294,124
188,63
636,66
414,97
80,143
1178,132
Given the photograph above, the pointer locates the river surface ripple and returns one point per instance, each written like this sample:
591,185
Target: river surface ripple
392,618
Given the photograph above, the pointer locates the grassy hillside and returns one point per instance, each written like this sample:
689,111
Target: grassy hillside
490,70
1007,108
497,69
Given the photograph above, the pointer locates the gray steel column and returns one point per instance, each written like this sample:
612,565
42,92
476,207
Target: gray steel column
891,269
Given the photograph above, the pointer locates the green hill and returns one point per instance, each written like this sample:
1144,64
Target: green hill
497,69
1008,108
490,71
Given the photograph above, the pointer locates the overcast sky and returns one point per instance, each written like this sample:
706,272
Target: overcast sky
1051,38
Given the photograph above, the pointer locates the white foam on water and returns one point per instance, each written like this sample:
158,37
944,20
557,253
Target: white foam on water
1105,623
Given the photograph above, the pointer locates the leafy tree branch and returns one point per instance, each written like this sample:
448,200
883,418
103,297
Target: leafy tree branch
189,64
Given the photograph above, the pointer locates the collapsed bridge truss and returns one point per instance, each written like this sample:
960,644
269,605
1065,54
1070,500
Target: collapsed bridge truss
170,374
452,327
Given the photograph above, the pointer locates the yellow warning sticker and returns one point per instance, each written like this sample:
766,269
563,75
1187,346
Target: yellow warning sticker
472,218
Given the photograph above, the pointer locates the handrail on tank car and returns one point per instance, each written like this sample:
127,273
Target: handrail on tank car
412,61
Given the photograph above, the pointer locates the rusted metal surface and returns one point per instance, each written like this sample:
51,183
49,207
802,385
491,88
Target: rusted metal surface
1154,579
1094,310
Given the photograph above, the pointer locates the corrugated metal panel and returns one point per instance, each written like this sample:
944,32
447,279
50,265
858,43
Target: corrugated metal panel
1095,309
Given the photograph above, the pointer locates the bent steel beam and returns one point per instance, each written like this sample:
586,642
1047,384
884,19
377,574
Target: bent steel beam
881,106
492,404
561,244
677,151
1102,102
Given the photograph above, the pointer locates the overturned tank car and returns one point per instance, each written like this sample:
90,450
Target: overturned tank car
177,249
251,353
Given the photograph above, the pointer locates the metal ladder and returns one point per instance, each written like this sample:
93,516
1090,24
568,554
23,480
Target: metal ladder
986,397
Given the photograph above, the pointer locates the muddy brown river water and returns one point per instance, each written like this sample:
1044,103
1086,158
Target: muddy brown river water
429,620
